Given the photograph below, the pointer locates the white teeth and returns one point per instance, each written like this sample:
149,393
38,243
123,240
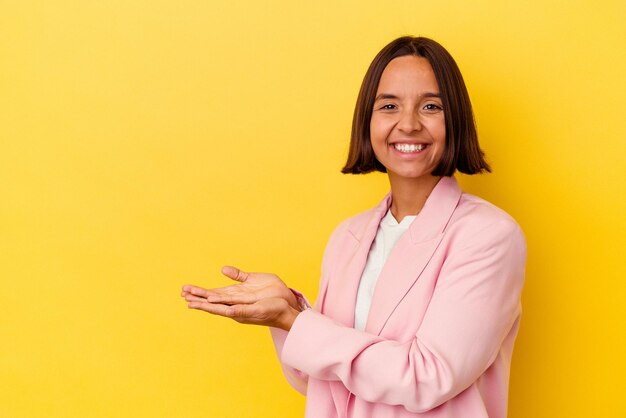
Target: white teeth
409,147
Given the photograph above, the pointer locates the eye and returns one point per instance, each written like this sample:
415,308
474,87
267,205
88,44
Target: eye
432,107
388,107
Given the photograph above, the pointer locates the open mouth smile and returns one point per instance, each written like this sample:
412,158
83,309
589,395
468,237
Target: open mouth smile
409,148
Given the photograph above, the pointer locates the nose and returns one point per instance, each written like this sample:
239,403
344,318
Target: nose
409,121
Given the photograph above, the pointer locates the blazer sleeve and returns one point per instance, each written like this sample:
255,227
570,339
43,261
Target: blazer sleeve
296,378
475,304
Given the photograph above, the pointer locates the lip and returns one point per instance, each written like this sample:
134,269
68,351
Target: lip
408,142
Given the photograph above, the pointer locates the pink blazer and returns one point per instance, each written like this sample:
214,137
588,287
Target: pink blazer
442,324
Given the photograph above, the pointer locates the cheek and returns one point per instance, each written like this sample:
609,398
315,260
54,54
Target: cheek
374,129
376,137
441,146
378,131
438,133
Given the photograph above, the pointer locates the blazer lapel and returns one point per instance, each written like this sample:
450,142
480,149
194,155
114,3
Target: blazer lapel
340,299
412,253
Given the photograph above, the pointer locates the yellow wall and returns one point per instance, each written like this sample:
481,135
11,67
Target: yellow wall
143,144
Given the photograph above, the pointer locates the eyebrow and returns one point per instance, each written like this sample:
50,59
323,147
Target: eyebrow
383,96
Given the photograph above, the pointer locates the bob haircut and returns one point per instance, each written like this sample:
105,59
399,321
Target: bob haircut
461,152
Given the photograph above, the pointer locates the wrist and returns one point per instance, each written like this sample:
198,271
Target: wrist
299,302
289,318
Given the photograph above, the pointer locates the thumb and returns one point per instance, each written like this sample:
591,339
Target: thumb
234,273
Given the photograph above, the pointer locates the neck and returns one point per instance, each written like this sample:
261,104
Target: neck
409,195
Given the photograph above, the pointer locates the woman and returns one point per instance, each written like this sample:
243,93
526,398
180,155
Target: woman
419,300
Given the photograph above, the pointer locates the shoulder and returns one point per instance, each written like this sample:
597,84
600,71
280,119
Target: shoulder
480,211
476,219
355,226
355,223
350,231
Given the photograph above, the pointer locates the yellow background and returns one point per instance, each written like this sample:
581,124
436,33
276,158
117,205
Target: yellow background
143,144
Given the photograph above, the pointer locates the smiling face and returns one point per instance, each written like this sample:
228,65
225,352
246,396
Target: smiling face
407,128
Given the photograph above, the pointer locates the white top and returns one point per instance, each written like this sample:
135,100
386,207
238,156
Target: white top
388,234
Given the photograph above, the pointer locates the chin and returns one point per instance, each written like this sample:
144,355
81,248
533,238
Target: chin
413,175
411,170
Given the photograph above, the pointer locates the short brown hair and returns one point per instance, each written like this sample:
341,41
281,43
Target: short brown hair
461,152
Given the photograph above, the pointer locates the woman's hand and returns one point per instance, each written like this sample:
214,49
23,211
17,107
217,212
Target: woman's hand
258,298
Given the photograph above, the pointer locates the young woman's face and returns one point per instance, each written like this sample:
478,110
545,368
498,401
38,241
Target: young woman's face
407,128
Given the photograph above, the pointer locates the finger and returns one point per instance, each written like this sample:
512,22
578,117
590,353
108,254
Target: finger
223,293
232,298
216,296
234,273
195,290
224,300
205,293
191,298
213,308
